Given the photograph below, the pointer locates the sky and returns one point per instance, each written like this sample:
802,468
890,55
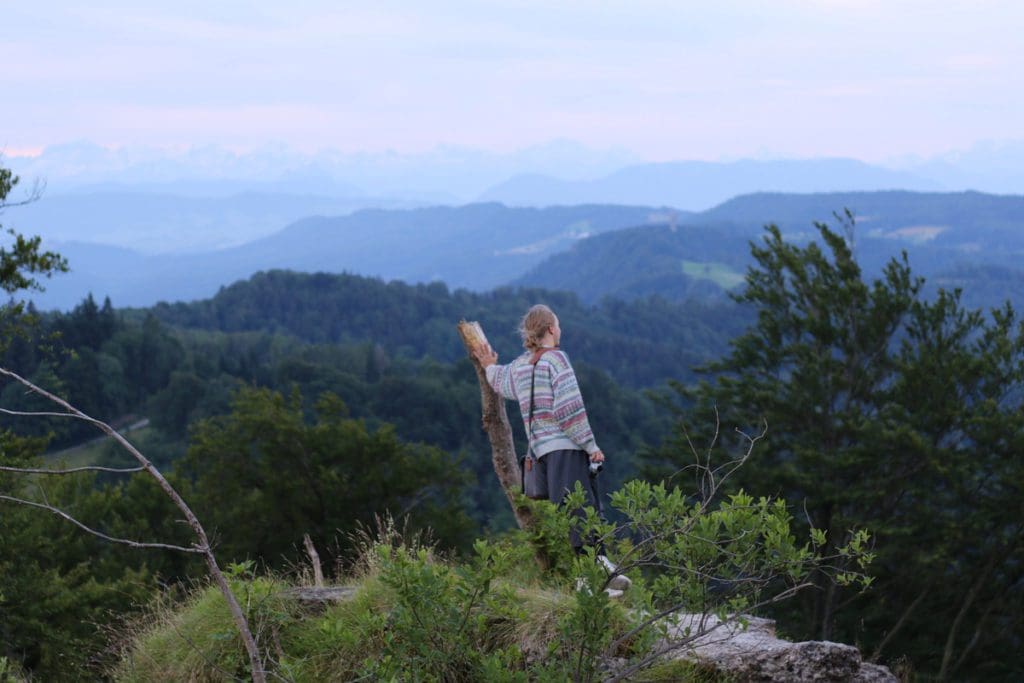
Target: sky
654,80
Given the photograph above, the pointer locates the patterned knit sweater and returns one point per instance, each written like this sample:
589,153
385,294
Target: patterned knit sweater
559,418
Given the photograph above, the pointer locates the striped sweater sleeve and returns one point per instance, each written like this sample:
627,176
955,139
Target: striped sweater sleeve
501,380
569,411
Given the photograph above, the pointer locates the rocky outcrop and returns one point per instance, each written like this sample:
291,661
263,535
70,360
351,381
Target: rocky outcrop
755,653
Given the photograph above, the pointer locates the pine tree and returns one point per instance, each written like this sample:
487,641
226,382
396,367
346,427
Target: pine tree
885,411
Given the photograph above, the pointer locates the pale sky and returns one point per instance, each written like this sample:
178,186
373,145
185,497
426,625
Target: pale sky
664,80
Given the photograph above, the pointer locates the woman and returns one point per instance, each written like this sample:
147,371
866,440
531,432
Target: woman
559,432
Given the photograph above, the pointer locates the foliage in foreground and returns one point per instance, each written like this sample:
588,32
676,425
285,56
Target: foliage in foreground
495,617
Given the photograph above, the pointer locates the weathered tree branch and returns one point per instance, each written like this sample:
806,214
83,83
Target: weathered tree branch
901,622
994,559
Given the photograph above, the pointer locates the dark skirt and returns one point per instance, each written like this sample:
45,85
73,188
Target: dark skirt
564,469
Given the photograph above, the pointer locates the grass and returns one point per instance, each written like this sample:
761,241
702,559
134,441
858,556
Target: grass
719,273
196,640
681,670
10,673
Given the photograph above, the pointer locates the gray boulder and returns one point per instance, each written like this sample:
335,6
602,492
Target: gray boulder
755,653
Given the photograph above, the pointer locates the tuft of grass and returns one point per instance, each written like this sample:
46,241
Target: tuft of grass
198,640
10,672
335,644
683,671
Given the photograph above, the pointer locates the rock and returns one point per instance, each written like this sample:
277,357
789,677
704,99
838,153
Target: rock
320,596
756,654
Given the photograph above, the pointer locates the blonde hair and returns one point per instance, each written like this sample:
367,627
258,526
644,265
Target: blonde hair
534,326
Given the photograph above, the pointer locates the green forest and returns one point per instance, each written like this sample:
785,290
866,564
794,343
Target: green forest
294,403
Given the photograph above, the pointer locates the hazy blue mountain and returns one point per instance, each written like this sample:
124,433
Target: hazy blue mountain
992,166
161,222
568,172
321,188
941,230
698,185
966,209
479,246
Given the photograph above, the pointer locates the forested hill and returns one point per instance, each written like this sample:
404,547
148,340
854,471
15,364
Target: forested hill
640,343
681,263
968,240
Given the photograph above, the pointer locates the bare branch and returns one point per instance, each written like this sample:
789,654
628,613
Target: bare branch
134,544
43,413
735,464
314,560
38,186
902,620
89,468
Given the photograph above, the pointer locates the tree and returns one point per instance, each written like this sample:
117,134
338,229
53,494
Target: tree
56,584
266,475
22,263
892,412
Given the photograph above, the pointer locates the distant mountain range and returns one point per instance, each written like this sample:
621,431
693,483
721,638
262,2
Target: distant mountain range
143,205
457,175
446,174
699,185
164,222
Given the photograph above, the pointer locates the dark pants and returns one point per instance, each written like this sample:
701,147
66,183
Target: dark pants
564,469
